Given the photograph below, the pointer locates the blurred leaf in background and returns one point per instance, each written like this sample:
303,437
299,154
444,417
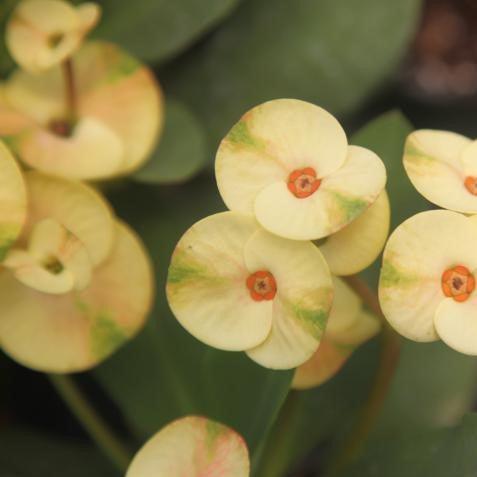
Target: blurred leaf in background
332,53
181,151
155,30
165,373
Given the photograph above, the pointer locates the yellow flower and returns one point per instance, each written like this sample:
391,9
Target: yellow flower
194,447
442,166
43,33
118,119
349,325
427,283
76,284
288,163
237,287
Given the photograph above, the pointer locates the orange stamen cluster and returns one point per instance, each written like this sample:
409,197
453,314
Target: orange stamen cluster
303,182
262,285
471,184
458,283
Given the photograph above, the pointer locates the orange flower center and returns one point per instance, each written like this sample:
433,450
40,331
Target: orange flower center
458,283
471,184
262,285
303,182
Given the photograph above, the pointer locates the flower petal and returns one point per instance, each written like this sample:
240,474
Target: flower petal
456,324
206,285
271,141
92,152
76,206
432,160
75,331
357,245
13,200
194,447
415,257
302,303
341,198
322,366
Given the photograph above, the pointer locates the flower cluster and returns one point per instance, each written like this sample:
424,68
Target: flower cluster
75,282
303,206
427,284
82,111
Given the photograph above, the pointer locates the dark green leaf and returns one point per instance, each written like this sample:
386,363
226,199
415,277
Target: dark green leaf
441,453
386,136
155,30
165,373
181,152
333,53
6,62
31,454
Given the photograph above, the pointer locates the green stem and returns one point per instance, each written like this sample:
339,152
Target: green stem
274,460
94,425
388,359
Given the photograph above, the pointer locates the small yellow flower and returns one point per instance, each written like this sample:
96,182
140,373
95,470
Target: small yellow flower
76,284
119,116
237,287
442,166
288,163
192,446
427,283
43,33
13,201
349,325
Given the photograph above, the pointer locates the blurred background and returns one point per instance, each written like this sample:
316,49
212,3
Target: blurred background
215,59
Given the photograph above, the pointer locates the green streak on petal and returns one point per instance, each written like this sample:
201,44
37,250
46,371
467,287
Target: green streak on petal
240,135
184,268
214,430
106,335
8,235
392,277
12,142
126,66
350,207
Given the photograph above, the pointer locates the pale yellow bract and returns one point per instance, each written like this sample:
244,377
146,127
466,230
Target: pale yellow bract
286,144
412,284
438,164
192,446
42,33
207,289
349,325
13,200
120,116
76,284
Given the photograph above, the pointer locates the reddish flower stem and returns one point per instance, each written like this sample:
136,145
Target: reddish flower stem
71,101
388,359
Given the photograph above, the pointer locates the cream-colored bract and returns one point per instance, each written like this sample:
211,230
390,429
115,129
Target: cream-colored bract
356,246
192,446
207,290
120,115
76,330
256,158
349,326
417,254
42,33
13,200
438,164
77,206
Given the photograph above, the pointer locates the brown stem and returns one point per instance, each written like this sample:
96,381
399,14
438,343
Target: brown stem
70,90
388,360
